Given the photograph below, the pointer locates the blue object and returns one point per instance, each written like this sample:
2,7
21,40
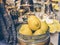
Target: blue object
3,43
59,39
7,28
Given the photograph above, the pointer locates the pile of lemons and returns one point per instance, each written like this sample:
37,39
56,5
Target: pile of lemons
33,27
55,4
55,26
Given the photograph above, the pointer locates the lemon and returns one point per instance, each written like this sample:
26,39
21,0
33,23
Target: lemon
56,22
44,26
42,30
55,27
56,7
25,30
34,22
52,28
58,27
38,32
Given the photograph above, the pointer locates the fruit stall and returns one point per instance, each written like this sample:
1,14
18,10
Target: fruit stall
40,23
37,22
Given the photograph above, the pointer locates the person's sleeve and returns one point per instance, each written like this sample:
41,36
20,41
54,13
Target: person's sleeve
2,8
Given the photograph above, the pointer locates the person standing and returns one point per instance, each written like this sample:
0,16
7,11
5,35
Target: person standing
8,34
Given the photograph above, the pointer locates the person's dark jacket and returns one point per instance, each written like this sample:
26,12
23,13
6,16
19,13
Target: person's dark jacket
7,29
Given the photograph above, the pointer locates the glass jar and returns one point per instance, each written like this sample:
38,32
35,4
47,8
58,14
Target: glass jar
43,39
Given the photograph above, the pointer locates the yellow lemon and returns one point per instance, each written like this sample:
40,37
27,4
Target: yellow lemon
58,27
38,32
52,28
25,30
42,30
44,26
56,7
34,22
